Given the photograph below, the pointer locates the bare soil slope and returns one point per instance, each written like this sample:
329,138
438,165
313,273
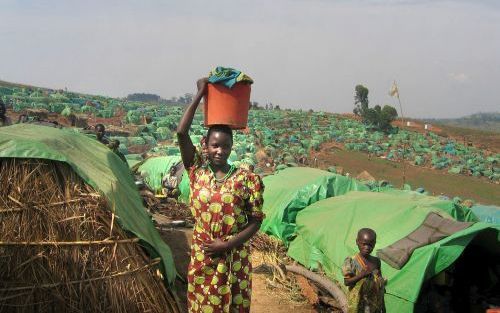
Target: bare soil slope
436,181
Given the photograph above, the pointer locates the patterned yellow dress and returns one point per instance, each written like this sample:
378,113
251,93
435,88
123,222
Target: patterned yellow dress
367,296
221,284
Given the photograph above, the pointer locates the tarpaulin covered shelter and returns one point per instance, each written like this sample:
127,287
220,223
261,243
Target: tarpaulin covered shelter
97,166
153,170
292,189
326,233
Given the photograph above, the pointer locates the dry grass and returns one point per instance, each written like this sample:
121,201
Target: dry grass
270,258
62,251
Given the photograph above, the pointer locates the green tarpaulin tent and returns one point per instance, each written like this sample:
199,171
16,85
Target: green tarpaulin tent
294,188
153,170
100,168
326,234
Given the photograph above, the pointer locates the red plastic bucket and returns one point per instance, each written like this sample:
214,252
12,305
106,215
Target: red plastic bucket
227,106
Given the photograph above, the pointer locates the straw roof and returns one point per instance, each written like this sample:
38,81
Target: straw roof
62,250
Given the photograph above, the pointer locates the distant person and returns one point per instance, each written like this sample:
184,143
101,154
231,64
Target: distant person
251,168
4,119
363,276
114,144
100,132
248,166
170,183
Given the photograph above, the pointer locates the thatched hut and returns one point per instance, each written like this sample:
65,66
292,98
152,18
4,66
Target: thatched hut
66,244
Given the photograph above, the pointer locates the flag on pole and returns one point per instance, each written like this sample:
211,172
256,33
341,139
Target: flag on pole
394,92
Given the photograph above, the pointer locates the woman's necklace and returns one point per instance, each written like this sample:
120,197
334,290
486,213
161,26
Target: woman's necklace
223,179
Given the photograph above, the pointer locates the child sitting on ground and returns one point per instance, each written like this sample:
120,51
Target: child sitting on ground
363,276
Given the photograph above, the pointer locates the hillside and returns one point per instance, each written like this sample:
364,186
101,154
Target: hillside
280,138
481,121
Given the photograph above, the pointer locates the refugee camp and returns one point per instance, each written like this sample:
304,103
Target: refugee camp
234,156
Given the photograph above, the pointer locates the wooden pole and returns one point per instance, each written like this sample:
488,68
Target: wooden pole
404,141
324,282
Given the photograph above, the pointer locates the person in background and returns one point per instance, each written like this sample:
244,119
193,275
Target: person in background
100,132
4,119
204,152
251,168
114,144
247,166
226,203
170,183
363,276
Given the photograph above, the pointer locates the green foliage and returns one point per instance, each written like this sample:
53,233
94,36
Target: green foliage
255,106
380,118
360,100
383,118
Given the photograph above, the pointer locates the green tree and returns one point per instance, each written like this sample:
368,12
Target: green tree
370,115
387,116
360,100
380,118
254,105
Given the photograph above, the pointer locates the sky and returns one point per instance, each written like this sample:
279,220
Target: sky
309,54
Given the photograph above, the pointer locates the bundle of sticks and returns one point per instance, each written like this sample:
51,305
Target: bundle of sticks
61,249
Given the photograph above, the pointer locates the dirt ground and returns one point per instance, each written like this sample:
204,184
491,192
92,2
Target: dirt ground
436,181
264,299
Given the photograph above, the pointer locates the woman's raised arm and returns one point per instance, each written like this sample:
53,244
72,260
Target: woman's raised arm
185,144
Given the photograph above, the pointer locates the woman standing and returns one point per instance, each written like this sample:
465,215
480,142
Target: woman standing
226,203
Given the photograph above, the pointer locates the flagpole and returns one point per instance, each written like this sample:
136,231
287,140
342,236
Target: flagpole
402,125
400,106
